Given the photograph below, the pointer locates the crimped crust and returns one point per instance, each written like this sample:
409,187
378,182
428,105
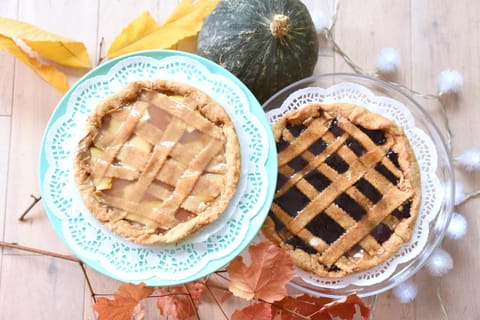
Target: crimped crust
358,243
168,196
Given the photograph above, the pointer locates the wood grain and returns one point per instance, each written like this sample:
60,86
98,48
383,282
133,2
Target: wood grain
39,287
447,37
7,64
4,150
429,36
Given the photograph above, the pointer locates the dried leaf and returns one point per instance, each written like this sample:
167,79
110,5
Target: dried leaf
176,301
135,292
59,49
124,304
109,309
142,26
258,311
306,306
144,33
266,277
49,73
349,308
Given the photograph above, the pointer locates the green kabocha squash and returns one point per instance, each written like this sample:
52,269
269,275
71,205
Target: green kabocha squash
267,44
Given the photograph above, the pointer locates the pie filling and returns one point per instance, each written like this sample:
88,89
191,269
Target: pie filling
347,192
158,165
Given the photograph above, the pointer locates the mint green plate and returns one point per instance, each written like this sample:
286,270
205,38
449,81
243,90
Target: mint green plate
212,247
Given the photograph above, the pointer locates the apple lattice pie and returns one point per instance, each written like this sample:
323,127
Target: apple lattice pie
348,189
159,160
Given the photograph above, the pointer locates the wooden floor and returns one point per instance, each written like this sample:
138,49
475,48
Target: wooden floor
431,36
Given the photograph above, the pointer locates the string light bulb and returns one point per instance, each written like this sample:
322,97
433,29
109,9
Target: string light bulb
388,60
449,81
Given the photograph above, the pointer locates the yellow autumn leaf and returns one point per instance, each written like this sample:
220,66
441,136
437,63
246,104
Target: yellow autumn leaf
142,26
144,33
56,48
47,72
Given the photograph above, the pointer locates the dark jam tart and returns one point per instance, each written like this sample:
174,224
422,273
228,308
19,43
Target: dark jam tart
348,189
159,161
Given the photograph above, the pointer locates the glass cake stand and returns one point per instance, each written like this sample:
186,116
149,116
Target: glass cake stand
437,216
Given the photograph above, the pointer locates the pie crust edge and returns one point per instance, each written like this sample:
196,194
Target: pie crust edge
134,232
363,117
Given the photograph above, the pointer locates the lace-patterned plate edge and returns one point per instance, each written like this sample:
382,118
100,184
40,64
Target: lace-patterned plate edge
422,144
209,253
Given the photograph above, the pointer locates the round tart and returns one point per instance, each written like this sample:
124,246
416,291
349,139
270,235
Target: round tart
348,189
159,160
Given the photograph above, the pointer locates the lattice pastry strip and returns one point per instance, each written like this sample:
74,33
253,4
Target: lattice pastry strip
159,161
348,190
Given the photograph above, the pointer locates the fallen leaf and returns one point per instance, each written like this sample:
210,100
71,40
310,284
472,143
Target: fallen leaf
144,33
349,308
266,277
135,292
318,308
258,311
124,303
109,309
49,73
56,48
304,305
141,26
204,7
176,301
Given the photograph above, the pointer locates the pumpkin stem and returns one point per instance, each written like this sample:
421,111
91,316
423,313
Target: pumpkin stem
279,25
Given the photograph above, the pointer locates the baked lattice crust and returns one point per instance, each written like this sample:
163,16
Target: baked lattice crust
348,190
159,161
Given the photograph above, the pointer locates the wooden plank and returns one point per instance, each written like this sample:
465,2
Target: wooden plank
33,104
360,35
320,11
60,282
39,287
7,64
4,149
446,38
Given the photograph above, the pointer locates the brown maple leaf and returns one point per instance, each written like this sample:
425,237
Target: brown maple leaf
292,308
125,300
265,279
176,301
258,311
349,308
318,308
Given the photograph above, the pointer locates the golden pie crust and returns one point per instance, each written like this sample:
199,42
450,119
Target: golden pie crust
348,190
159,160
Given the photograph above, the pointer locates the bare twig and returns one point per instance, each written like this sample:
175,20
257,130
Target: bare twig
222,276
194,306
216,301
89,285
100,48
39,251
35,201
